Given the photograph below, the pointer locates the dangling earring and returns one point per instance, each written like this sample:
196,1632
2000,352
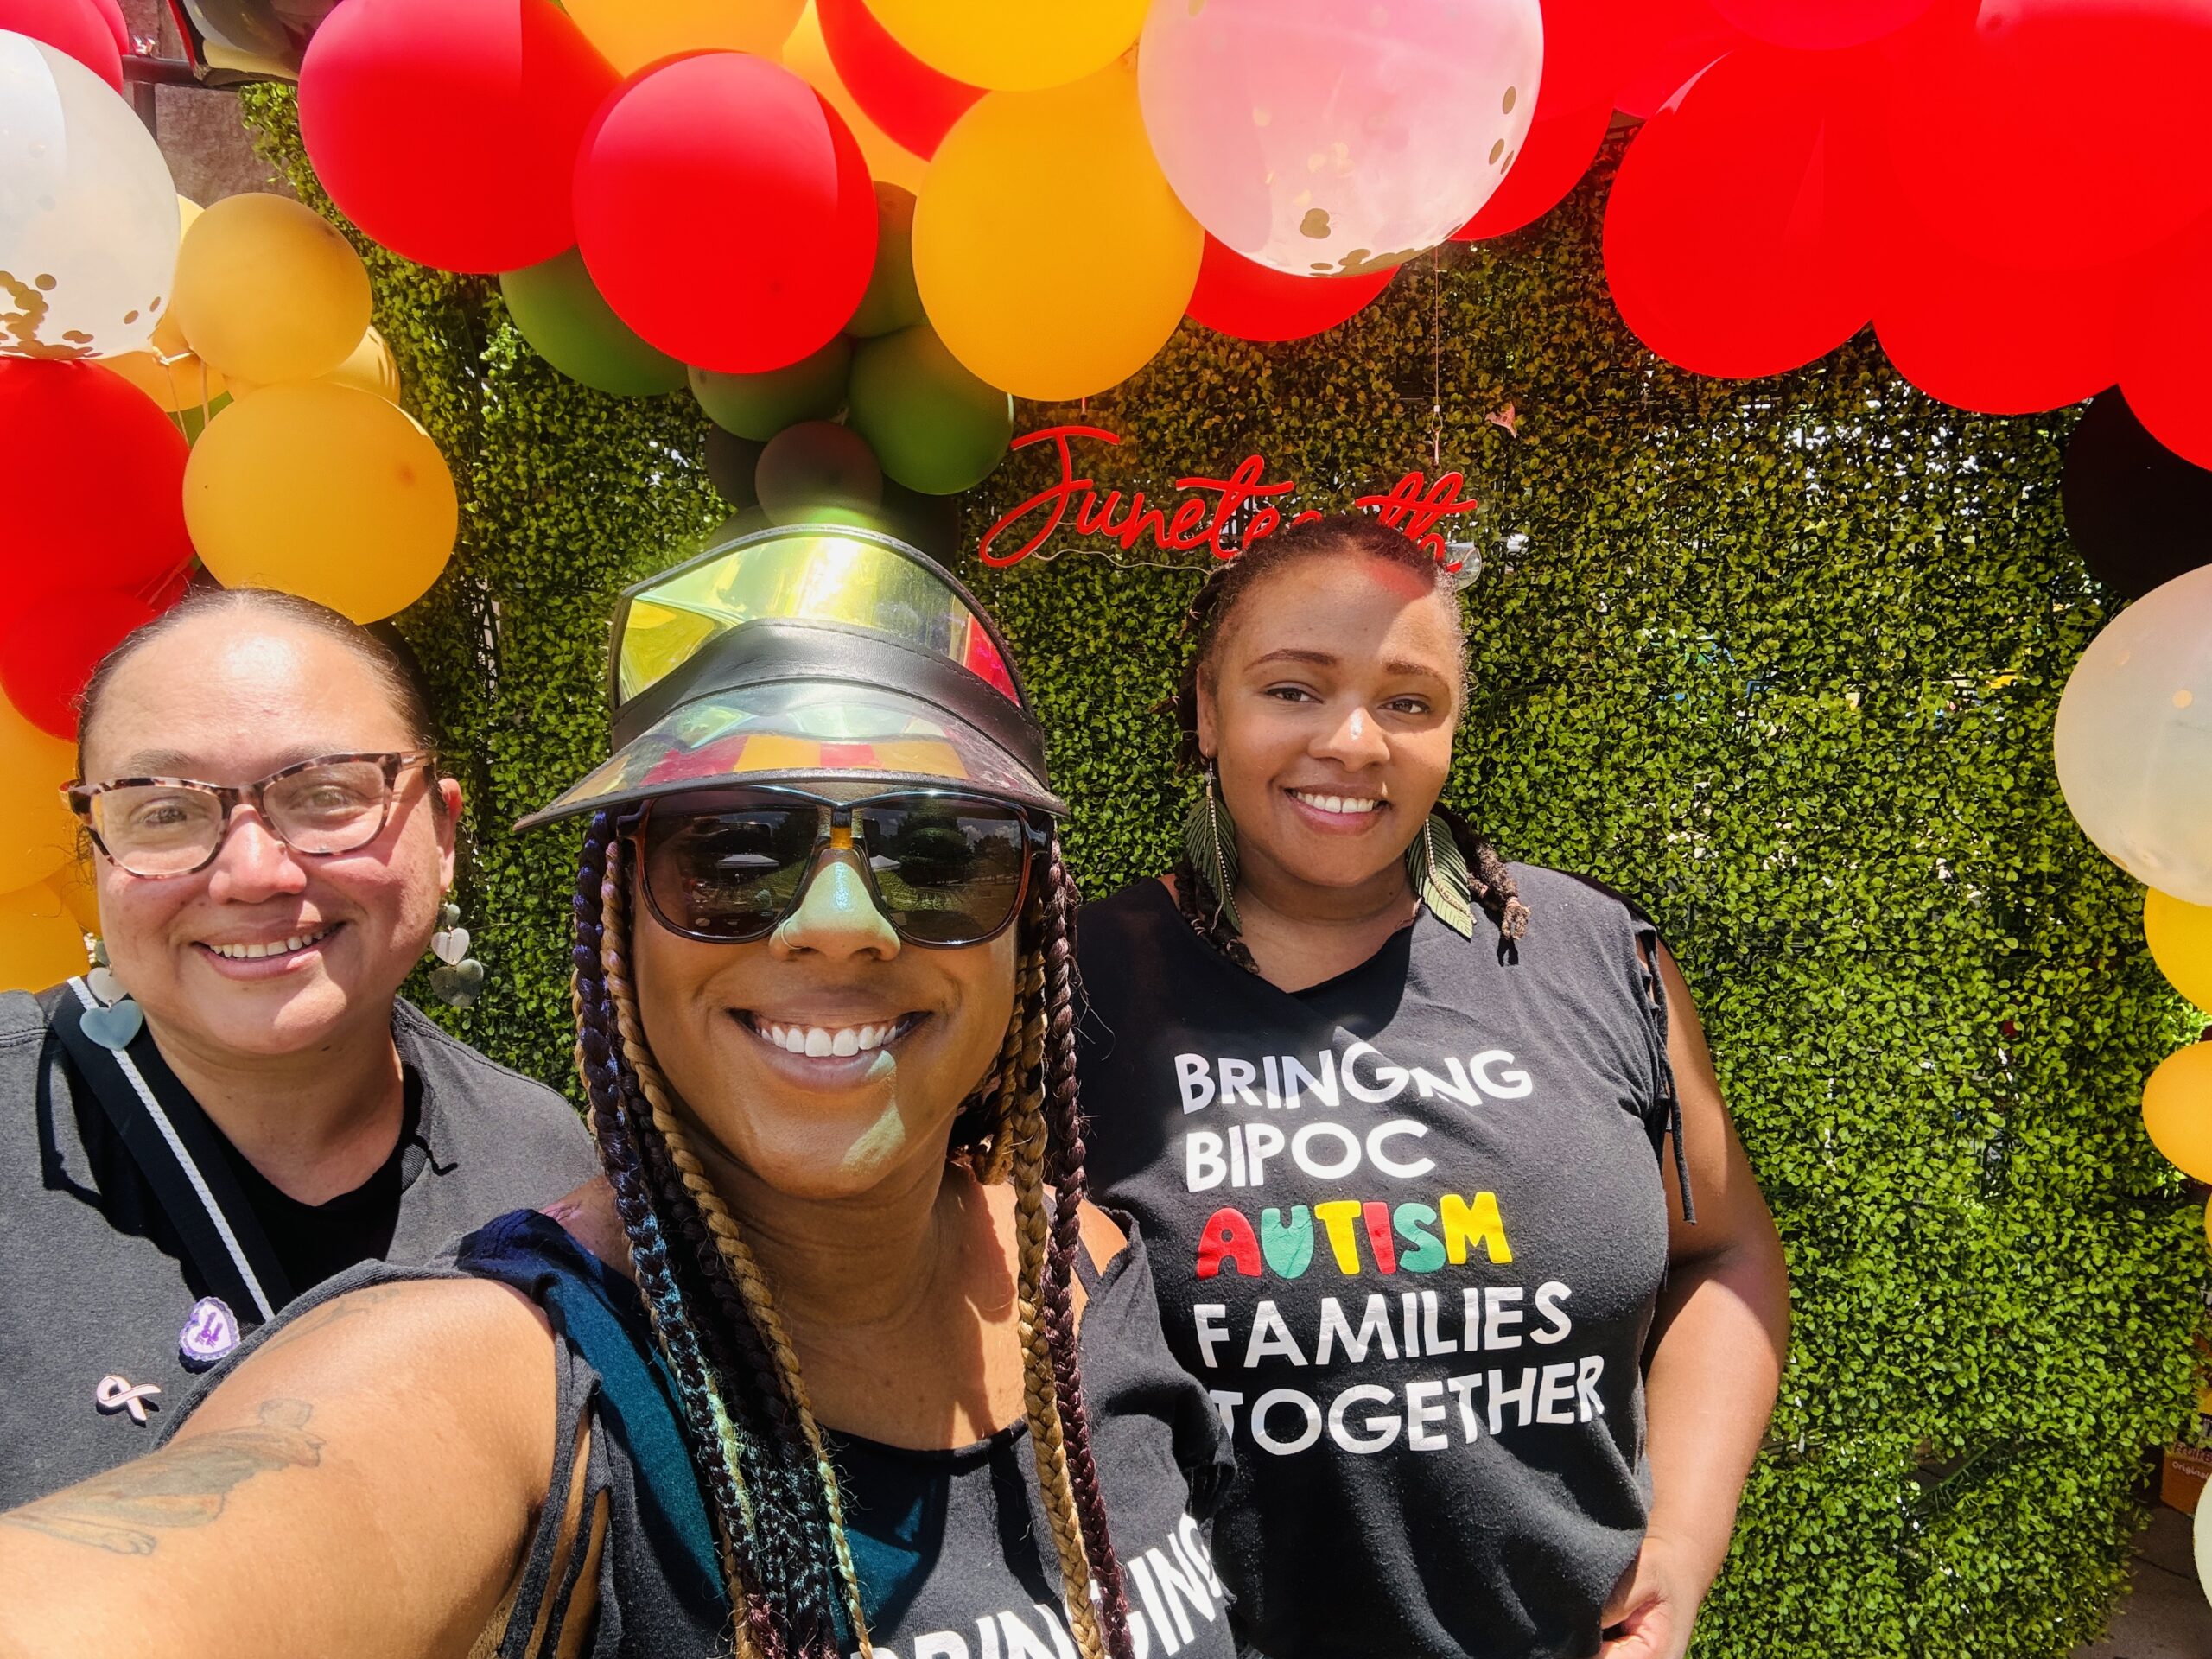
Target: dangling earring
1438,873
1209,841
459,977
118,1018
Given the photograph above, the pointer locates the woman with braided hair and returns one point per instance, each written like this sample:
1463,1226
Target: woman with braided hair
1395,1116
836,1359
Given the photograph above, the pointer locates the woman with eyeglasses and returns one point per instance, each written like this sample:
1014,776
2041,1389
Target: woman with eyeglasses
836,1359
238,1105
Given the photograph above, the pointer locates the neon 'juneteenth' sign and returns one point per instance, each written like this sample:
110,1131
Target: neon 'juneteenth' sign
1209,514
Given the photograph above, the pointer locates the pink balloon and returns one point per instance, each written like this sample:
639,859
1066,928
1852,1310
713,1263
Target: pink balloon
1820,25
1323,138
1738,235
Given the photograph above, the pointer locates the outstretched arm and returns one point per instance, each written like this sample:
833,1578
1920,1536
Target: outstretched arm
1722,1334
362,1485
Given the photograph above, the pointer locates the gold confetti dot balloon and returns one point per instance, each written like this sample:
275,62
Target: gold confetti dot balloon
1332,137
88,216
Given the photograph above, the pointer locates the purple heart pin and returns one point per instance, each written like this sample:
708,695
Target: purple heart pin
211,1331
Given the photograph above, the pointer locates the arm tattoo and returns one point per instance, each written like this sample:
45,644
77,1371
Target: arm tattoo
330,1313
184,1484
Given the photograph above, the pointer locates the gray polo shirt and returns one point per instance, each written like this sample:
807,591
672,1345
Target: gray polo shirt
93,1282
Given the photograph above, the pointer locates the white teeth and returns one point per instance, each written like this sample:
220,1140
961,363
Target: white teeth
283,947
1342,806
821,1042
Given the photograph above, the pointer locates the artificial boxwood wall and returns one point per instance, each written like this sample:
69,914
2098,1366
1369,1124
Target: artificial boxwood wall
1780,658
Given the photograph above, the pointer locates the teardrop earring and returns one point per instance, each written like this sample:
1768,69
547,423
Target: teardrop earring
118,1018
459,977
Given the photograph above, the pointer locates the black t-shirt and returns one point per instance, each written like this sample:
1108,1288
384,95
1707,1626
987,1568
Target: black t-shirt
98,1285
952,1548
1408,1229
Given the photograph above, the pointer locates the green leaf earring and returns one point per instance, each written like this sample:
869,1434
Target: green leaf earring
1438,874
1209,841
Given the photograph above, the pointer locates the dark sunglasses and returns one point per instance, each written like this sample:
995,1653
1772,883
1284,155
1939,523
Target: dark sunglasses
730,866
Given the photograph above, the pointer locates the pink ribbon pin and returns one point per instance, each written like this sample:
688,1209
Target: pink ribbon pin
120,1394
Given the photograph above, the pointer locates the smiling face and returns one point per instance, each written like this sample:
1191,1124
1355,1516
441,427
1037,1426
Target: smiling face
1328,707
265,951
831,1057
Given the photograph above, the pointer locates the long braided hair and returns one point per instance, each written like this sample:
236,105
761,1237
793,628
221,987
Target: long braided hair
1344,535
770,1486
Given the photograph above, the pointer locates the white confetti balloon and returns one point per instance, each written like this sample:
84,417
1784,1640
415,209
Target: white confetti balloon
2203,1539
88,216
1332,136
2133,739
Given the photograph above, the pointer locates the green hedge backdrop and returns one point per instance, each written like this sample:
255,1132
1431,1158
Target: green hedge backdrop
1780,658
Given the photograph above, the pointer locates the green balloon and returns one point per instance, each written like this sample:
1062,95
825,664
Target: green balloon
759,406
568,324
935,427
813,468
730,464
892,301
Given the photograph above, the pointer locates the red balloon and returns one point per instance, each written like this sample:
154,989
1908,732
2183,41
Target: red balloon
911,102
726,213
96,481
1240,296
1554,157
2165,359
48,650
1820,25
111,13
1995,338
76,27
2056,134
1670,45
447,129
1738,236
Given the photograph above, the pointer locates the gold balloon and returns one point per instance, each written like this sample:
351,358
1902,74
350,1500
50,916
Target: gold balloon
168,371
806,56
630,34
2177,1110
1052,258
1013,45
41,943
37,832
372,368
2180,936
324,490
268,290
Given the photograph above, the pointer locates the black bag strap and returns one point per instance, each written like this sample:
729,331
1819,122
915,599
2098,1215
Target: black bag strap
181,1154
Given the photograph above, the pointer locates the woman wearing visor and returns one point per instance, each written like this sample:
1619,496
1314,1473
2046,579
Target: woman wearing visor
836,1358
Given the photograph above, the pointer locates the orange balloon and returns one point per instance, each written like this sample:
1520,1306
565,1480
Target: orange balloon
372,368
41,943
807,56
630,34
37,832
268,290
73,884
2177,1110
324,490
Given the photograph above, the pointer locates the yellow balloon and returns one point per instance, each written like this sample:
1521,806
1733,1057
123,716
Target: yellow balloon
37,832
1052,257
2177,1110
630,34
2180,936
372,368
168,371
324,490
1013,45
806,56
41,943
268,290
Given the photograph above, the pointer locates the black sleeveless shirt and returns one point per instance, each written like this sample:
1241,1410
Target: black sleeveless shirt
1408,1228
952,1548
